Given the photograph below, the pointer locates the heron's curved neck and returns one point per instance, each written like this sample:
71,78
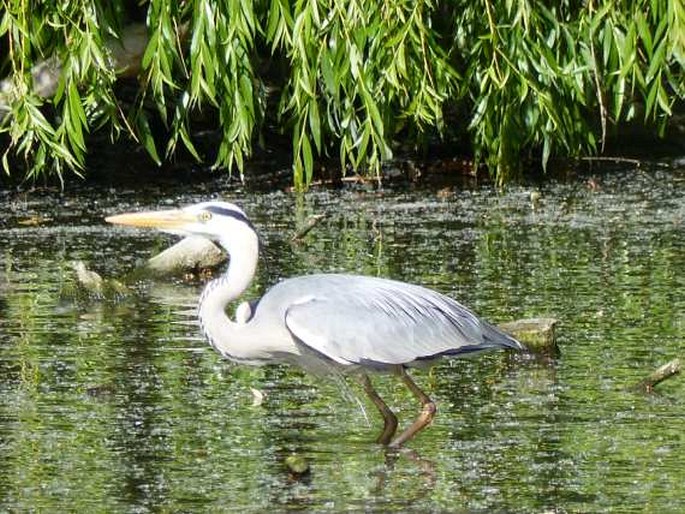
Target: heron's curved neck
220,292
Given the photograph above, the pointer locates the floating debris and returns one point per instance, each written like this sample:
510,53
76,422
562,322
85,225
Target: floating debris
257,397
535,200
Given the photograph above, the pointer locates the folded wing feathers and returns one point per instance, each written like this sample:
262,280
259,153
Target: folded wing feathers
383,322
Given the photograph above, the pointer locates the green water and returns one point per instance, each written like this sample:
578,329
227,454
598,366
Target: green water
120,406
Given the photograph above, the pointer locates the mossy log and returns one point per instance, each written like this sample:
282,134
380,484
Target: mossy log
537,334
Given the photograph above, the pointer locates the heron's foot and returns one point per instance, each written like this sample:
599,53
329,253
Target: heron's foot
428,411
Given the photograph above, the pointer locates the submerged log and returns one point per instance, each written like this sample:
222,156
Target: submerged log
660,374
88,280
537,334
311,222
91,285
197,253
192,253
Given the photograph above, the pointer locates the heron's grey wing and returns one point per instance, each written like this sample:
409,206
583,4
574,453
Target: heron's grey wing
380,322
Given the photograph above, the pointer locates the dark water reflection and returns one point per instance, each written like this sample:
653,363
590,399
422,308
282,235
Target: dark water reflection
120,406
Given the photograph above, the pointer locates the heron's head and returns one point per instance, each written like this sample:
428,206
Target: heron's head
221,222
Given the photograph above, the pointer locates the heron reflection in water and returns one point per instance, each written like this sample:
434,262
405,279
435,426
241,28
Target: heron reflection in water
354,323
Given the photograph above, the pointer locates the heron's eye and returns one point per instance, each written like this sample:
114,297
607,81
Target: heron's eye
205,216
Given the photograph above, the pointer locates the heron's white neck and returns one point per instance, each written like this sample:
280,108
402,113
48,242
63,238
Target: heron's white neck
218,328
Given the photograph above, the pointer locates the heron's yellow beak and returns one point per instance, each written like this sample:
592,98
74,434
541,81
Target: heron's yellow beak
164,220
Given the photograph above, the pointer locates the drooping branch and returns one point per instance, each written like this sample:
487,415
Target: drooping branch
125,54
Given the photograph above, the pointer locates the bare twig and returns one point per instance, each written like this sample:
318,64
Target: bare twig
624,160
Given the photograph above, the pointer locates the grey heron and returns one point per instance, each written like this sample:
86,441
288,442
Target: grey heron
323,321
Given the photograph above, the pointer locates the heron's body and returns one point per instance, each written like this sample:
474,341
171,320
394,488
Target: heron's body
349,322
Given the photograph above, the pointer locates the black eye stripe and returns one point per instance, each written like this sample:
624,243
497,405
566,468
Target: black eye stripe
230,213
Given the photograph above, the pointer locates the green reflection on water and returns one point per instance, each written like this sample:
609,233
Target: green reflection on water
120,406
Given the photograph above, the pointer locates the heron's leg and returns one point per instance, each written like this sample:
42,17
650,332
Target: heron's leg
389,418
428,410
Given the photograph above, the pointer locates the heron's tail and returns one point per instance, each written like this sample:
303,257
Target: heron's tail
495,338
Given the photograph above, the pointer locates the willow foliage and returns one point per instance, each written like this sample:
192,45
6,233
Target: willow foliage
341,77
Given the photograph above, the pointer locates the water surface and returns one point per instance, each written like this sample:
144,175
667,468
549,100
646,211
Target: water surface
121,406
